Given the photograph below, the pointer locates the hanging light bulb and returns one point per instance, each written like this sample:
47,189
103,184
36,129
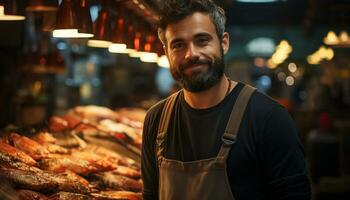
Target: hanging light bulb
4,17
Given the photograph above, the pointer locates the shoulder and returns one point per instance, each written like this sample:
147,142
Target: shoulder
153,114
266,114
263,106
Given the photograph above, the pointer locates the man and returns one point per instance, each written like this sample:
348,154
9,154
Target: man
216,138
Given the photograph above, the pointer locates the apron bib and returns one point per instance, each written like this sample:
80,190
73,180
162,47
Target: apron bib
204,179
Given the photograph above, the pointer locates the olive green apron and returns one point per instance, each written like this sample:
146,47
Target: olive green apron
204,179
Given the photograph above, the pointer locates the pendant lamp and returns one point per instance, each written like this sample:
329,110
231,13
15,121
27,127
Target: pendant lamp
67,24
10,15
102,30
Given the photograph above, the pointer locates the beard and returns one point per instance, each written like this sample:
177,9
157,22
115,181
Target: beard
199,81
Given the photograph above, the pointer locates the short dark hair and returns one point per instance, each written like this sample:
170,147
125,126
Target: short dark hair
173,11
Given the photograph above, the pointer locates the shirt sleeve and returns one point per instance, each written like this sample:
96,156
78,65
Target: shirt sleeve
283,158
148,160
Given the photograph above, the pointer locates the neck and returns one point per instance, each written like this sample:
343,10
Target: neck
211,96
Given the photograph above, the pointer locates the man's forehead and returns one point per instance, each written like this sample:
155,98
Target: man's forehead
197,22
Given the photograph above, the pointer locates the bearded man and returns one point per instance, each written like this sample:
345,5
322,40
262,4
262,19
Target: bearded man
216,138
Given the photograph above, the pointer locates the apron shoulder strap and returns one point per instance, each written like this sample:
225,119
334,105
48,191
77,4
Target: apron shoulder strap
234,121
164,123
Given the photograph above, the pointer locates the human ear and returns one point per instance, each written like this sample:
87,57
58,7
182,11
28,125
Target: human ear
225,42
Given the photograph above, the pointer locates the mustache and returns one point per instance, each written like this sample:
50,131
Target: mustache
192,62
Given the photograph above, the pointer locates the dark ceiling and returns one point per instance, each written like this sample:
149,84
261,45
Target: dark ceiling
305,13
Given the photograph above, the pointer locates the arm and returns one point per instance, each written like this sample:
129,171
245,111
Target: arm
148,160
283,158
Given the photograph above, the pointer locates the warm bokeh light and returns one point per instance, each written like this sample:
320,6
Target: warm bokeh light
149,57
283,49
331,38
99,43
322,53
4,17
290,80
292,67
117,48
163,61
70,33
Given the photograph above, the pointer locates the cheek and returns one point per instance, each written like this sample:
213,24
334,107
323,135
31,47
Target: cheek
174,72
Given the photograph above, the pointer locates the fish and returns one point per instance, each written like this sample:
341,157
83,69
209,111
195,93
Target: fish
44,138
49,142
10,162
58,124
29,146
117,182
12,154
77,165
69,196
28,179
104,163
30,195
45,181
117,195
71,182
128,172
113,156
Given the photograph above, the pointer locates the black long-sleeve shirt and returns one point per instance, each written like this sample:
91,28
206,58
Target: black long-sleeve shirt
266,162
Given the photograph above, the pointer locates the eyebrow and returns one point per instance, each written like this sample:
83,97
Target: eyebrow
203,34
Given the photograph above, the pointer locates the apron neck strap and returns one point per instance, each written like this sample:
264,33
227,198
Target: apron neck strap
164,123
231,131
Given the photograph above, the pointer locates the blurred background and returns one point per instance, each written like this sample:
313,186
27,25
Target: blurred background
56,55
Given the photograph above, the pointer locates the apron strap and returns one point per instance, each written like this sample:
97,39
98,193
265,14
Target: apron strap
164,123
234,122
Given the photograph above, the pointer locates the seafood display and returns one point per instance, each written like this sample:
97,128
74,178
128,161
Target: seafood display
58,163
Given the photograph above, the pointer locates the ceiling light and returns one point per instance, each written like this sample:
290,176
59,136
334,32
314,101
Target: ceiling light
70,33
67,25
322,53
4,17
149,57
331,38
117,48
163,61
344,37
261,47
102,30
99,43
136,54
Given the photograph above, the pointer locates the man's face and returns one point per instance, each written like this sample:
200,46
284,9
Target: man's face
195,52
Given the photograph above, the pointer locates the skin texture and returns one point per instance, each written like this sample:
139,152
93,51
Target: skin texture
195,54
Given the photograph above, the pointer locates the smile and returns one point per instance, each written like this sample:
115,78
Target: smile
195,67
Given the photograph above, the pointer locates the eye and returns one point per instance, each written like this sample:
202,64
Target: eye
202,40
177,45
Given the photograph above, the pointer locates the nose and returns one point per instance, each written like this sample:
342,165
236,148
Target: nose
191,52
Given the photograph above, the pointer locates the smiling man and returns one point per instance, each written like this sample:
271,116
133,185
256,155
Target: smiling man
216,138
